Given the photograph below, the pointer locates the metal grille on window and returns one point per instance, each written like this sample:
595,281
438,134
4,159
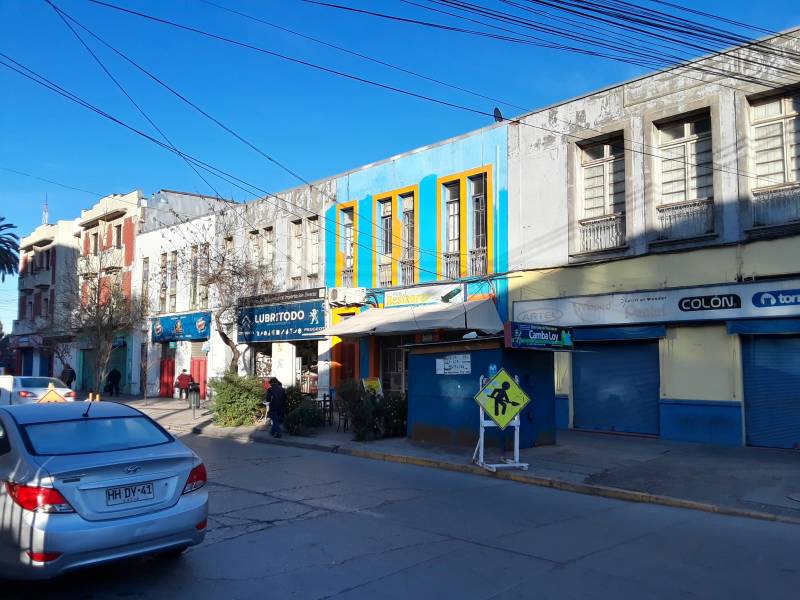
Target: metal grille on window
269,248
173,281
313,249
452,257
297,249
407,250
162,293
193,278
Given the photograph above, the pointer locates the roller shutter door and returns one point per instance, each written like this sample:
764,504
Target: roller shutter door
616,386
771,368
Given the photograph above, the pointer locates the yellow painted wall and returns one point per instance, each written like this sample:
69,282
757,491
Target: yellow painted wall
657,271
700,363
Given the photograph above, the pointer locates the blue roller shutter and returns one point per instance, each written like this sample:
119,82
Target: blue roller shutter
616,386
771,368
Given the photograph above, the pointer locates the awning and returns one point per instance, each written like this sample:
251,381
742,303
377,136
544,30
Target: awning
478,315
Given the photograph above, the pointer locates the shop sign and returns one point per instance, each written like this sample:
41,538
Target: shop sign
454,364
430,294
541,337
281,297
192,326
715,302
372,385
288,321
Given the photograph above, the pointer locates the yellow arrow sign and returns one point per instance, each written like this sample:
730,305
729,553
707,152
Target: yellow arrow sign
51,395
502,399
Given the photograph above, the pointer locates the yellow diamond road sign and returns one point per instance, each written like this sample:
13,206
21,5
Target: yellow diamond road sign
502,399
51,395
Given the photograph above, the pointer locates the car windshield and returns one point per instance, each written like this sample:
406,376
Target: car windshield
84,436
40,382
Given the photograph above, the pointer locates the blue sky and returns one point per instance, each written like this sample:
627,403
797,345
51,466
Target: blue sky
314,122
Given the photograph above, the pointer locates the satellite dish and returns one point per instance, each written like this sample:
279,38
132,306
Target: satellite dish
498,116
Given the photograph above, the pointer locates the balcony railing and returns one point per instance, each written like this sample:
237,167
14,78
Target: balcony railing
452,265
406,271
385,274
477,261
347,277
686,219
776,207
601,233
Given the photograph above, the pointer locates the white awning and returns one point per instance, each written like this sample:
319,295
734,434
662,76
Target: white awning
478,315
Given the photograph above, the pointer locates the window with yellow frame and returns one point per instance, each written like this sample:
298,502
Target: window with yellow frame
396,231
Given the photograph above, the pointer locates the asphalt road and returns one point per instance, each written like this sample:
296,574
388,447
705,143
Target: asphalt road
290,523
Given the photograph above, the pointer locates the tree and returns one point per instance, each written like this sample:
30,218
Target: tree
97,306
9,250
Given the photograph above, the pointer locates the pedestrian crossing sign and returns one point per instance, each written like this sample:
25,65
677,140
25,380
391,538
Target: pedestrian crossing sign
502,399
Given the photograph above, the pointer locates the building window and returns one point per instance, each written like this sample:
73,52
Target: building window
347,237
603,166
46,259
296,249
269,247
776,133
162,292
313,246
227,247
686,160
255,249
452,255
408,241
478,252
193,277
686,203
385,242
173,281
95,244
118,237
146,280
45,307
203,277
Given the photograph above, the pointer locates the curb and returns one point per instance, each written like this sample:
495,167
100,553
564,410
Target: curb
557,484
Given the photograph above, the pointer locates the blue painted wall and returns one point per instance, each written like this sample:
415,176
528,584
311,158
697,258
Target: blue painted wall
709,422
442,409
423,168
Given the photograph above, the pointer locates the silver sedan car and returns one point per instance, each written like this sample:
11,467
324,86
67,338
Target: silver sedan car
85,483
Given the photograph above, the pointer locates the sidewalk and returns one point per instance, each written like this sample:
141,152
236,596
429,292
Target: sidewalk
753,482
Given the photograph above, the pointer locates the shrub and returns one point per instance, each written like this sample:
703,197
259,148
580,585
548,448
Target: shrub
237,399
303,418
294,398
395,414
373,416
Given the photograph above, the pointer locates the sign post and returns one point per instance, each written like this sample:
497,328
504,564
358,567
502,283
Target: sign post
502,399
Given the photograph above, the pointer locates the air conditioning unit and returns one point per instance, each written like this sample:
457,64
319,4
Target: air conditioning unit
341,296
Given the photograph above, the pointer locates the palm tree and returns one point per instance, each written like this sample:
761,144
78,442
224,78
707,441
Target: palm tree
9,249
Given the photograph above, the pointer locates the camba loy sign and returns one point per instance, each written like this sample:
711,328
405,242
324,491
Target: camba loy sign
537,337
277,322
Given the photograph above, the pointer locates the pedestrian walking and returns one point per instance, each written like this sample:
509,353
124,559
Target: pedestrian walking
112,382
184,381
276,398
68,375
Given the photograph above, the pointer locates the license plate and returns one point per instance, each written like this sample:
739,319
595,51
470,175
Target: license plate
129,493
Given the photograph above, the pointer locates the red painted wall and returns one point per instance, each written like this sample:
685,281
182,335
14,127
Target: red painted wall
86,243
126,284
127,240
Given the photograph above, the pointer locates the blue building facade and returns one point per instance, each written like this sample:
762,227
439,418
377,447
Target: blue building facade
436,215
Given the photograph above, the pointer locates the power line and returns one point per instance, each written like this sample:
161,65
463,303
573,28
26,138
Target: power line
69,187
518,121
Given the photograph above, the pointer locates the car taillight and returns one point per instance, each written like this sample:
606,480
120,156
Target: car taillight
43,556
70,395
26,394
39,499
197,479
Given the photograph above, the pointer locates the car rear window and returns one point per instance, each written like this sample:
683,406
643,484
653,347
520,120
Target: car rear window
40,382
85,436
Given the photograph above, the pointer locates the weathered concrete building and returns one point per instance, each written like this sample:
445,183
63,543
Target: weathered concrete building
46,271
660,218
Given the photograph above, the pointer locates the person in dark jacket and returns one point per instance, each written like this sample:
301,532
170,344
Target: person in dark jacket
113,380
68,375
276,397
